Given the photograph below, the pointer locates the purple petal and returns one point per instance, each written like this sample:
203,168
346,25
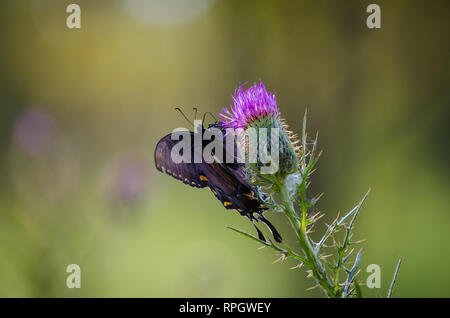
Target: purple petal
250,104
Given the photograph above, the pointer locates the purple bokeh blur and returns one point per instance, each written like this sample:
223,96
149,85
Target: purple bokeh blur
33,131
127,178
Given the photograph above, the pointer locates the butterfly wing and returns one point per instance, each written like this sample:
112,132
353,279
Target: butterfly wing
183,171
230,187
226,181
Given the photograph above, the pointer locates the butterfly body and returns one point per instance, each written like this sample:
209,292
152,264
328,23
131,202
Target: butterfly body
226,181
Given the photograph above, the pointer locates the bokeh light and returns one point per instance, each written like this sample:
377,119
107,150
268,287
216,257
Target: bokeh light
126,178
33,131
164,13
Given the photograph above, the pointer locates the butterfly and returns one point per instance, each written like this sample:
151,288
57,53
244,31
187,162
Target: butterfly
227,181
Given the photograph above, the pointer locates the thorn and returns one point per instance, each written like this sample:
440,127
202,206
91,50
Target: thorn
319,155
310,230
282,258
349,253
297,266
320,196
335,243
311,288
320,216
314,216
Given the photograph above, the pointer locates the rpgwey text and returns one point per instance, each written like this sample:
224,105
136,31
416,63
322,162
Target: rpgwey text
227,307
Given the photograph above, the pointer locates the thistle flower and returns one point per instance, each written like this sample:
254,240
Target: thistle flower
255,111
250,105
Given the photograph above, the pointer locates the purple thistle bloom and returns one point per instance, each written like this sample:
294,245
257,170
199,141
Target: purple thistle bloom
250,104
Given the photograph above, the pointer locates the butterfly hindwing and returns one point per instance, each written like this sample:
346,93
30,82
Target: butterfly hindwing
230,187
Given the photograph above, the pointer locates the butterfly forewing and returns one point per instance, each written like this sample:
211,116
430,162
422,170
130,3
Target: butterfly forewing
185,171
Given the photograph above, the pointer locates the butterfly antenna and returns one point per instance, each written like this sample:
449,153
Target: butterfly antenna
274,231
209,113
181,112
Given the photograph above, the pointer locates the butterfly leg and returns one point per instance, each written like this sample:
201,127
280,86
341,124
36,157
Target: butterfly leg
260,235
274,231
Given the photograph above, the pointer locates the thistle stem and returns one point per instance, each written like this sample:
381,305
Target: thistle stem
314,262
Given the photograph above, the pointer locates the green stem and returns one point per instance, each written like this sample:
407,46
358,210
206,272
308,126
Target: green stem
336,271
300,229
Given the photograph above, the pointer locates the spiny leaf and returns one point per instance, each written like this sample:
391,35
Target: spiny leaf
351,275
345,258
352,271
349,227
354,211
286,252
327,234
394,279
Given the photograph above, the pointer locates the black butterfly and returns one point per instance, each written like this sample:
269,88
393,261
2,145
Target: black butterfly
227,181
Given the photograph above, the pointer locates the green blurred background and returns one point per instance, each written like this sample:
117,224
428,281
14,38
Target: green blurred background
82,110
